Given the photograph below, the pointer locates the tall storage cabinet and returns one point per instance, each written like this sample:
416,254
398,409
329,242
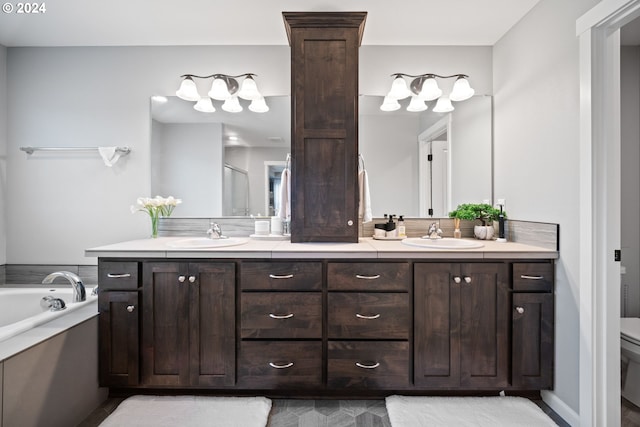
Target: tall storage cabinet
324,89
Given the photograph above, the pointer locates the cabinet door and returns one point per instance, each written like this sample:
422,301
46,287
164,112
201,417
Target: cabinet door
165,324
532,351
437,326
484,325
212,323
119,345
324,72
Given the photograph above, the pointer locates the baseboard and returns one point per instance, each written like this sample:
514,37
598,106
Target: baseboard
560,408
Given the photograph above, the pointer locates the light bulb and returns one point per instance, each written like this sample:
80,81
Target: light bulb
416,105
249,89
204,105
188,90
430,90
461,90
399,89
390,104
259,105
443,105
232,105
219,90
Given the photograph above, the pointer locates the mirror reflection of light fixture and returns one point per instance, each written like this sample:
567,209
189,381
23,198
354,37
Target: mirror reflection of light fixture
259,105
223,88
424,87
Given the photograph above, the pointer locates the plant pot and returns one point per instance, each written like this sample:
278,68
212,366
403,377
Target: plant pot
483,232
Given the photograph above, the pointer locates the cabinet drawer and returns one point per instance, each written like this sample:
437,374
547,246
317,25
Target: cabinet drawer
281,315
365,276
533,277
283,276
368,315
117,275
280,364
368,364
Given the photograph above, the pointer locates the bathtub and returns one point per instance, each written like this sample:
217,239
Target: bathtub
20,308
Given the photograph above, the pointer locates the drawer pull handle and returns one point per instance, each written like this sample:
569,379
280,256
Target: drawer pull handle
285,366
281,276
375,276
362,316
526,276
374,366
520,310
118,276
281,316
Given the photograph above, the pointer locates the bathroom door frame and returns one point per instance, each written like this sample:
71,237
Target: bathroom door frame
599,40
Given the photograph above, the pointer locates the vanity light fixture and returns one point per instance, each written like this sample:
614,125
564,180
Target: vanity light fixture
223,88
424,87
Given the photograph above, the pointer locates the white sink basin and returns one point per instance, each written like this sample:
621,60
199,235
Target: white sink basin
443,243
205,243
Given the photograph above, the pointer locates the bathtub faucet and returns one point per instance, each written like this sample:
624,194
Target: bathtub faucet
79,293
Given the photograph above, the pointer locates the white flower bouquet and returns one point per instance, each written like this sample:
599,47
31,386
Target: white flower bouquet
156,207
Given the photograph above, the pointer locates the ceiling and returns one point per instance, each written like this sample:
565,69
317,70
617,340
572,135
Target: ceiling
254,22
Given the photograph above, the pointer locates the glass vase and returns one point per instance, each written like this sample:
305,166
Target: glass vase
154,224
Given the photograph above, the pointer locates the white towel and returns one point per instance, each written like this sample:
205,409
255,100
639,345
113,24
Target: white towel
285,195
364,208
110,155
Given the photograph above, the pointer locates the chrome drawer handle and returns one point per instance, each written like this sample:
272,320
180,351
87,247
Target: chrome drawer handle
130,308
525,276
362,316
360,276
285,366
281,316
283,276
374,366
118,276
520,310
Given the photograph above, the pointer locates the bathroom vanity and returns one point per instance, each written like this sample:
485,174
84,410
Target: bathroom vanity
326,319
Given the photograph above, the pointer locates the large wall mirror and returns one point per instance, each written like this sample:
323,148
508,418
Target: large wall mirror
229,164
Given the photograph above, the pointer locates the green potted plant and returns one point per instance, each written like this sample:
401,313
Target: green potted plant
474,212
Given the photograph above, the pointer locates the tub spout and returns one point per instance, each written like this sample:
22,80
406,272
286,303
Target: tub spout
79,293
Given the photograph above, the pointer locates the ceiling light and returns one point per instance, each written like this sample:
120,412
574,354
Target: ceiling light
424,87
188,90
249,89
258,105
232,105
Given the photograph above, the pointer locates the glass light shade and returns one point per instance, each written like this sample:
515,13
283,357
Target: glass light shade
390,104
416,105
232,105
430,90
249,89
399,89
205,105
259,105
219,90
461,90
188,90
443,105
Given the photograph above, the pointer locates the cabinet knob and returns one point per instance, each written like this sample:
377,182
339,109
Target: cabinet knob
457,279
192,279
520,310
467,279
349,223
130,308
181,279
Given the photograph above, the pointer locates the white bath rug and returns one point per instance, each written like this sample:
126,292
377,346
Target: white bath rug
190,411
508,411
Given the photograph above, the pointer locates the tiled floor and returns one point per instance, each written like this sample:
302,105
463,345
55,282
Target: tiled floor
630,414
312,413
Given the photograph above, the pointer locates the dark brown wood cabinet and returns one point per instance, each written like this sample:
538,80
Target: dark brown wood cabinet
324,96
532,326
118,324
188,324
461,335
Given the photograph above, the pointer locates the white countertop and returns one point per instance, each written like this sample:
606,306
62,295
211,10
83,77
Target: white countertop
366,248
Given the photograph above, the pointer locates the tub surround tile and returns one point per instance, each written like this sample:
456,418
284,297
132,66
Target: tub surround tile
31,274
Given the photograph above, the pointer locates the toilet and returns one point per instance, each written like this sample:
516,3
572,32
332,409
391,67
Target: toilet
630,349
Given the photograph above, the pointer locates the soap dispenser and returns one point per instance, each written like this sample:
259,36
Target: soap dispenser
391,228
501,234
402,231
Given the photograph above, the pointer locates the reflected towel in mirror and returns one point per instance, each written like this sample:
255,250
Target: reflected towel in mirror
364,208
285,195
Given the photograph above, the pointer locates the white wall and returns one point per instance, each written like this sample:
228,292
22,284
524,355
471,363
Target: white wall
3,154
536,118
60,204
630,182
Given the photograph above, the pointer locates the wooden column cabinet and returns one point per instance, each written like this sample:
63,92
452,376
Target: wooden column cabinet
461,336
188,324
324,96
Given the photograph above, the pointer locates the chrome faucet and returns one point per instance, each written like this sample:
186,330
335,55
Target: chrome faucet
79,293
215,232
434,232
